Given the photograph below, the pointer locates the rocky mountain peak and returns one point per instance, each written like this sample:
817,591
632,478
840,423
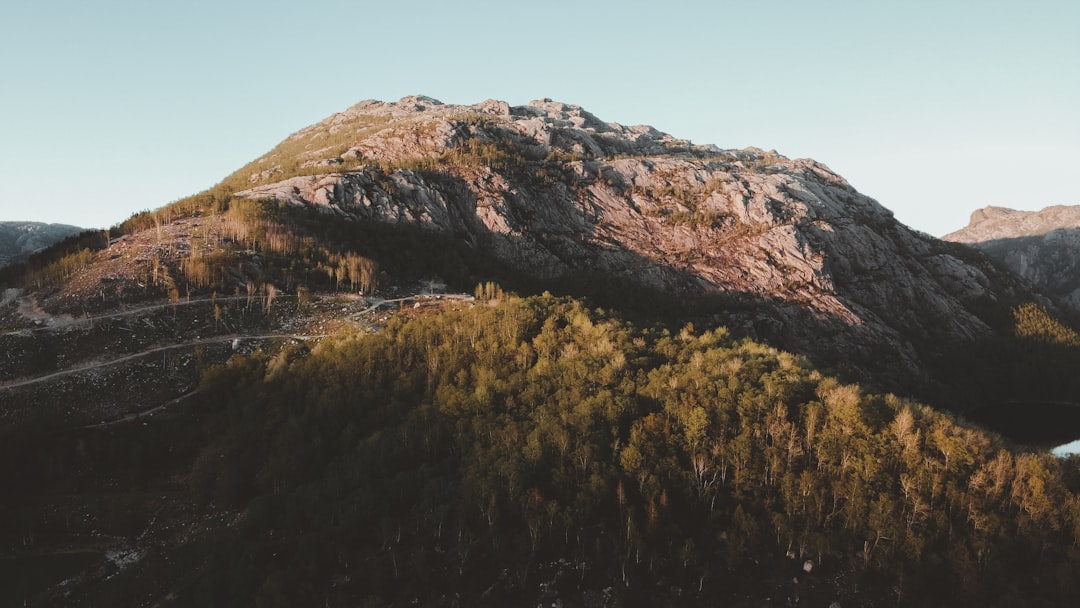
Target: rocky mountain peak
553,190
990,223
419,126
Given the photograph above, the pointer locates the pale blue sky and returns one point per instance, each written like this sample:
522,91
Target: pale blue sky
933,108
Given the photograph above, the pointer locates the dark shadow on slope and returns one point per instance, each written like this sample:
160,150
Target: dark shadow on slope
1016,381
555,251
1016,384
1043,424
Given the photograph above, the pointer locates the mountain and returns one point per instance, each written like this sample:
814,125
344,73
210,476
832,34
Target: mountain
20,239
560,195
547,196
1041,246
490,355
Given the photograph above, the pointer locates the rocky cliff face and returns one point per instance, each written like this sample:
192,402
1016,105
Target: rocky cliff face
551,189
20,239
1041,246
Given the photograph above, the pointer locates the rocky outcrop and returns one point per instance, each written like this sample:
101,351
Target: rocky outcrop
995,223
1041,246
549,188
18,240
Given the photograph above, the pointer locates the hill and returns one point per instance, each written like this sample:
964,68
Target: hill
18,240
449,355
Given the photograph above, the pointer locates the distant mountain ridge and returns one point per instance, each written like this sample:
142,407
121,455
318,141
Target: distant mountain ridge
18,240
1041,246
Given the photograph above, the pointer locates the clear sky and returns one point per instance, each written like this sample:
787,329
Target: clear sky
933,108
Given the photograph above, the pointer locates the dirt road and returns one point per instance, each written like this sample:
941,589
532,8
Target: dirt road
151,351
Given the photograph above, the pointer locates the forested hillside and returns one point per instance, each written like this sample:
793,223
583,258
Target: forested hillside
18,240
519,451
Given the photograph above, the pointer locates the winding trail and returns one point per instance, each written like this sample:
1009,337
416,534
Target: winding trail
30,310
376,303
139,414
151,351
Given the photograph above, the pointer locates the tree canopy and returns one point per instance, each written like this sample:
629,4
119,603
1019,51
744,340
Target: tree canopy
492,452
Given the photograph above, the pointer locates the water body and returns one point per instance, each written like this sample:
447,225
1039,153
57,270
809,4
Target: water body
1068,449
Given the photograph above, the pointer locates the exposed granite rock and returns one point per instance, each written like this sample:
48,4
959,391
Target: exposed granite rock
1041,246
18,240
993,223
552,189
